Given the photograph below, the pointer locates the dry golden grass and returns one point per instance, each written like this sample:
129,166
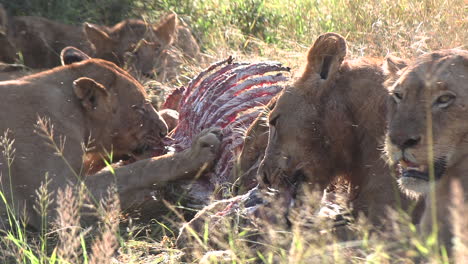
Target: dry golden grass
372,28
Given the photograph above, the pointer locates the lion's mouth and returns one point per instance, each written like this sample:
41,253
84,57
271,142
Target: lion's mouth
151,146
412,170
142,152
147,151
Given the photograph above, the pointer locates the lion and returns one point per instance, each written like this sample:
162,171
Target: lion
427,131
132,43
329,124
151,50
91,109
40,40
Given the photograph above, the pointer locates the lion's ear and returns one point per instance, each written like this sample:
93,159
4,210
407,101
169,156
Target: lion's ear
70,55
166,29
326,56
89,92
101,41
392,65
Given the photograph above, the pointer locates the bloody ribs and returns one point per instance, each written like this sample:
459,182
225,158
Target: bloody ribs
229,95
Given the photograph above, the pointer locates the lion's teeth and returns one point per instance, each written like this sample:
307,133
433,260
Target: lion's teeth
420,168
411,166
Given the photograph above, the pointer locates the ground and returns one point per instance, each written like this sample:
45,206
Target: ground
257,30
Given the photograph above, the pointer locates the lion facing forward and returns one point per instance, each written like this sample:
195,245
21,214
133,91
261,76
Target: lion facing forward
427,132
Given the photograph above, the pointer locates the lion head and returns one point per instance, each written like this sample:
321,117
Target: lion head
133,42
427,131
310,135
120,117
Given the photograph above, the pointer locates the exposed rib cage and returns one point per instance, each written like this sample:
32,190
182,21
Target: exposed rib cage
227,95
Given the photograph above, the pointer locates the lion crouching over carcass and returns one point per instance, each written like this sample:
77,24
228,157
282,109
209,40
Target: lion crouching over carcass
427,132
92,109
330,124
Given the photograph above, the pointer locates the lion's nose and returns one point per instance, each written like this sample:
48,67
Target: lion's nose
406,142
411,142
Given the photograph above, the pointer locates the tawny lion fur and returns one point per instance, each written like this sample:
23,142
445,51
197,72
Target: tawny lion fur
427,128
95,103
155,50
331,123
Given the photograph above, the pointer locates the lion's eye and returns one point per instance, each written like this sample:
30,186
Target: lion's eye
273,121
397,96
444,101
139,109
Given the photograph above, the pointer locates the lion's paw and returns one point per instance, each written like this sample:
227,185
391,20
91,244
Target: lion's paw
207,144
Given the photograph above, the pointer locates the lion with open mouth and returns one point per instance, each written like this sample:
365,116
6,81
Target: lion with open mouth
427,130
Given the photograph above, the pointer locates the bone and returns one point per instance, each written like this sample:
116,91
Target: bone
229,95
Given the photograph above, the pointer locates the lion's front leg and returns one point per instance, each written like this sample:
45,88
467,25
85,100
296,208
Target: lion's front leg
158,170
204,149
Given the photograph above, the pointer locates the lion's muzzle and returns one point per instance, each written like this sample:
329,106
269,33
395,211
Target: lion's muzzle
421,172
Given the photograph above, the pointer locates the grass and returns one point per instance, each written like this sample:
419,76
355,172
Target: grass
372,27
252,30
69,11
